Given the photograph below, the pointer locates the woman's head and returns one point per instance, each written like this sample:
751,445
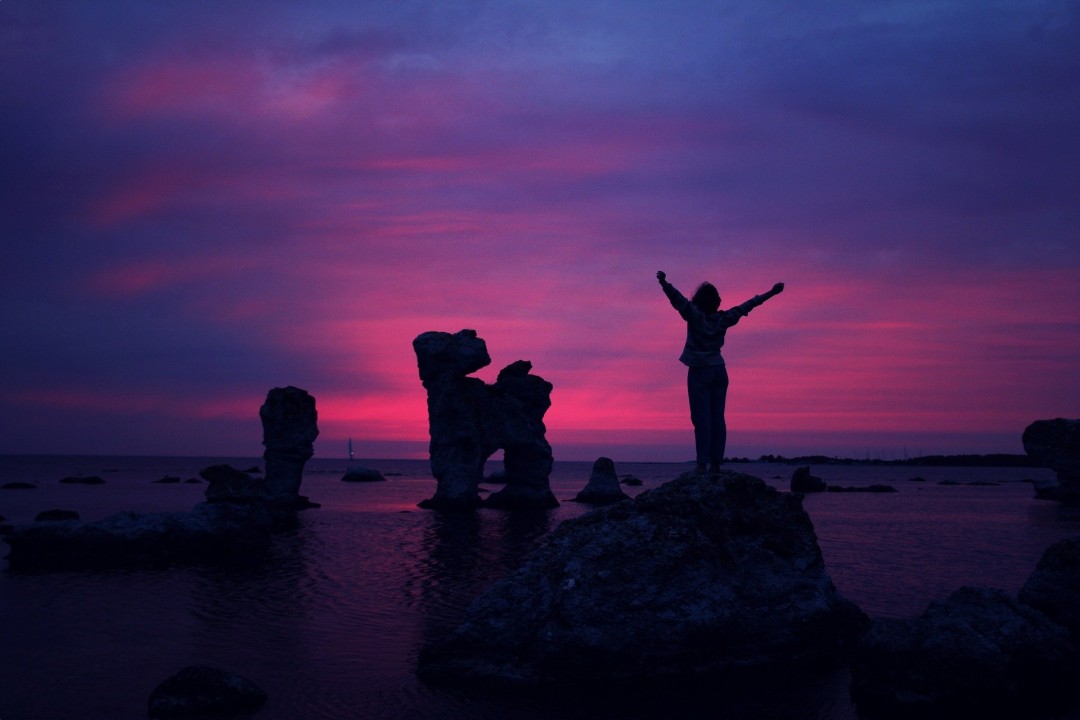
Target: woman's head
706,298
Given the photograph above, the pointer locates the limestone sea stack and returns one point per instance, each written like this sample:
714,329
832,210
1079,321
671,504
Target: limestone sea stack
469,420
290,426
695,576
603,487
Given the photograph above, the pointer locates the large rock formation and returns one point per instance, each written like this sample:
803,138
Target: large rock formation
980,653
469,420
1056,444
1054,587
290,426
695,576
603,487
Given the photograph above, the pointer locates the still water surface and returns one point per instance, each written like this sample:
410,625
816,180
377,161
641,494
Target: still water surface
332,621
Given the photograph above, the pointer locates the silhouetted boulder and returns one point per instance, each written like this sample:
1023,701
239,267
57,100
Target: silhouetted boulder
695,576
1056,444
803,482
469,420
199,691
290,426
603,487
979,653
358,473
56,515
227,484
1054,587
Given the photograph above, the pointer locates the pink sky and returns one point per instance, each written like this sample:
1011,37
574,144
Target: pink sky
204,202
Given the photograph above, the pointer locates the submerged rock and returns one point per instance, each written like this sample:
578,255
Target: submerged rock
695,576
876,488
83,480
56,515
199,691
357,473
18,485
1054,587
978,653
603,486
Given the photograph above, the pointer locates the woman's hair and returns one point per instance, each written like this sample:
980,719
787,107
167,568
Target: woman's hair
706,298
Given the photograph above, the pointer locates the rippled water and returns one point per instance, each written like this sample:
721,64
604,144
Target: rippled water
330,623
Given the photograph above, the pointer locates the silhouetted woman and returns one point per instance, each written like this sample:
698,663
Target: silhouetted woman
707,379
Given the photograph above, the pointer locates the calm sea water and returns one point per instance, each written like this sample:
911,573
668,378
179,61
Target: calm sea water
332,621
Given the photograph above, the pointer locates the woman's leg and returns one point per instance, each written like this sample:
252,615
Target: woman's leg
698,385
718,426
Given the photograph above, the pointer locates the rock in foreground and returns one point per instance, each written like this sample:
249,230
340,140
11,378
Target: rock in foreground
1054,587
695,576
199,691
980,653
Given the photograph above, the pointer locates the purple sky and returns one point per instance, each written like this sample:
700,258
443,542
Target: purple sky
201,201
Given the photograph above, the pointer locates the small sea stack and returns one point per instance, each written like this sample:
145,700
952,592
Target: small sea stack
603,487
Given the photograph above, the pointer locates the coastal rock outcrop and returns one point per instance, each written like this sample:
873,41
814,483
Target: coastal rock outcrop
1054,587
201,691
979,653
469,420
1056,444
696,576
603,487
237,520
290,426
210,531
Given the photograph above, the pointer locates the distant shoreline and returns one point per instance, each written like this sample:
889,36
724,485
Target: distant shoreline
992,460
